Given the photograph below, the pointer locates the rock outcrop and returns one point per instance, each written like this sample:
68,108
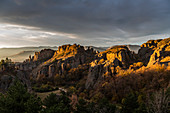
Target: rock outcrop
43,55
77,62
64,59
106,62
161,54
155,52
36,60
147,50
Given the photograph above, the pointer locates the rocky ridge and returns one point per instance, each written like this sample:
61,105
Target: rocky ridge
78,62
161,54
64,59
107,63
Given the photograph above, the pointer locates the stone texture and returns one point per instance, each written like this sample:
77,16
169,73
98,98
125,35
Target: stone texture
65,58
160,54
147,50
43,55
105,64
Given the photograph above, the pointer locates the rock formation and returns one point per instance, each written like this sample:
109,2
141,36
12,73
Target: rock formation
147,50
106,62
64,59
75,61
37,59
161,54
43,55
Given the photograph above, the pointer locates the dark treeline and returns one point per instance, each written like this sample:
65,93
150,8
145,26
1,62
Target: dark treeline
18,100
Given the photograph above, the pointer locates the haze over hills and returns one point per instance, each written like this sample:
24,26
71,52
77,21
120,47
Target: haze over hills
22,53
21,56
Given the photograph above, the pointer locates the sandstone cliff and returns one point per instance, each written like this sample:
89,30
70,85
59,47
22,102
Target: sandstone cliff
43,55
106,64
155,52
147,50
161,54
64,59
36,60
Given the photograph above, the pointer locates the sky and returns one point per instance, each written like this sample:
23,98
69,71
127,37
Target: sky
85,22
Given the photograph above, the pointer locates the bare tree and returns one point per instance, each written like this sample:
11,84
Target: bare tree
158,102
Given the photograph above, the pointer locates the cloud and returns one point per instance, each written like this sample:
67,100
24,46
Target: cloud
16,35
89,21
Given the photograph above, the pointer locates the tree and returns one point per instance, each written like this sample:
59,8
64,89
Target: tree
102,106
133,103
57,104
82,107
159,102
18,100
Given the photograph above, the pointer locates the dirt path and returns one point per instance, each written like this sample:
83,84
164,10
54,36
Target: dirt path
45,94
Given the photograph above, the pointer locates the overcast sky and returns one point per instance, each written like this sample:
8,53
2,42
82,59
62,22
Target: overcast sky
86,22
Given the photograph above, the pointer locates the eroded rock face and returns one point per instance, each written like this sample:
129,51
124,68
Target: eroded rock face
161,54
64,59
155,52
94,76
147,50
70,58
43,55
36,60
106,62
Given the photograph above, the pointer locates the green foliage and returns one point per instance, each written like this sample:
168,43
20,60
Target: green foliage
50,100
133,103
57,104
105,106
82,107
18,100
102,106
